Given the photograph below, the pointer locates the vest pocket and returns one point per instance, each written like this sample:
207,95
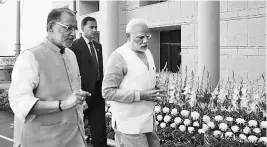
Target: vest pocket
50,132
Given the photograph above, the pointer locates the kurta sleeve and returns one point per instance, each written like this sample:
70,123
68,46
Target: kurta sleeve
24,80
115,71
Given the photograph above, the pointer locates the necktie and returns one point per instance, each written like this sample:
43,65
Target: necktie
95,64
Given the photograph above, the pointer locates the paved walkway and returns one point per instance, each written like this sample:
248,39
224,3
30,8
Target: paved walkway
6,133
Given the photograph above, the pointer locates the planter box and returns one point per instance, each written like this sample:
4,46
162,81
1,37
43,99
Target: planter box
4,103
6,66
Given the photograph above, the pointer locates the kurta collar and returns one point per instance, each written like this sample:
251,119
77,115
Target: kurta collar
52,46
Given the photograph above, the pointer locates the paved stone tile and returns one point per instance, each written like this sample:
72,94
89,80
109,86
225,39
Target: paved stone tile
5,120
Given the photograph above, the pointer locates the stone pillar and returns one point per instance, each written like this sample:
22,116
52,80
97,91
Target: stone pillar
110,28
74,7
17,44
209,40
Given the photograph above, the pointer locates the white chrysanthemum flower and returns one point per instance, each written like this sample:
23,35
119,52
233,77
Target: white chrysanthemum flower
167,118
187,122
217,133
205,127
211,125
177,120
230,119
157,109
191,129
173,125
196,124
235,128
252,138
246,130
163,125
257,130
201,131
228,134
182,128
264,124
223,126
218,118
252,123
157,123
195,115
166,110
206,118
184,113
243,137
174,111
240,121
263,139
159,117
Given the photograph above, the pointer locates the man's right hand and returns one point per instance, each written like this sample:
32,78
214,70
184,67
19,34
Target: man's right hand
152,95
77,97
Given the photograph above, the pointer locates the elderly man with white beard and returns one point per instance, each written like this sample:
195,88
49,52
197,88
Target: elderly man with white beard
130,86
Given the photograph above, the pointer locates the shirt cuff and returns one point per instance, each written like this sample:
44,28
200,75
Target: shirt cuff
136,96
26,117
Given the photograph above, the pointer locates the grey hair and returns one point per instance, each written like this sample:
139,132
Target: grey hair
132,23
55,14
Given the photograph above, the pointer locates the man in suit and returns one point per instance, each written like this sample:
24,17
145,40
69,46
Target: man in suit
90,61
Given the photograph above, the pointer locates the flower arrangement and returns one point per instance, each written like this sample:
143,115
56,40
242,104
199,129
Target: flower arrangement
193,114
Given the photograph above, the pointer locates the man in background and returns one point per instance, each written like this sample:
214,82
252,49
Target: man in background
90,60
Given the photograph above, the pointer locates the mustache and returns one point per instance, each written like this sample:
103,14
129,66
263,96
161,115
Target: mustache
144,45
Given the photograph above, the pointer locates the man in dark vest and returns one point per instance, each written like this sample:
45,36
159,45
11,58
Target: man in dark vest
90,60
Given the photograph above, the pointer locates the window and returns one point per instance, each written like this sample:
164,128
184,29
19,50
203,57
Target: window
170,49
145,3
87,7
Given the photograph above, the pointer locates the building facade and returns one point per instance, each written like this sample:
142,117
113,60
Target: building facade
240,32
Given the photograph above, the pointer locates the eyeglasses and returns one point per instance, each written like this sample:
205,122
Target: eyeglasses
68,27
141,37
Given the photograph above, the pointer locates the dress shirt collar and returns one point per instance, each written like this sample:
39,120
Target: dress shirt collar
52,46
86,40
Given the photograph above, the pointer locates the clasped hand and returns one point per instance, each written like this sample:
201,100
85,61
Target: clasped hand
77,97
153,95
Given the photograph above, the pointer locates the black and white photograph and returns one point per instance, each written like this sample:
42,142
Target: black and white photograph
133,73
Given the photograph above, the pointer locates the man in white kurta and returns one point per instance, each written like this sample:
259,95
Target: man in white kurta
45,93
129,84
